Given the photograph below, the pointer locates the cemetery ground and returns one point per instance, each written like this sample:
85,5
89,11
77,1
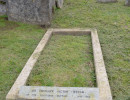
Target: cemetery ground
112,20
66,61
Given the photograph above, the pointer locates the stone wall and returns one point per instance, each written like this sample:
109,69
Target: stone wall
30,11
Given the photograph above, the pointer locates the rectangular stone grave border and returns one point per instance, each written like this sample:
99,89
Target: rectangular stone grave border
101,75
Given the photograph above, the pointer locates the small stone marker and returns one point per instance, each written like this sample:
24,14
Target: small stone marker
58,93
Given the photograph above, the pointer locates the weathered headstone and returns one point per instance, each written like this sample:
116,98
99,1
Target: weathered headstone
106,1
127,3
58,93
30,11
2,7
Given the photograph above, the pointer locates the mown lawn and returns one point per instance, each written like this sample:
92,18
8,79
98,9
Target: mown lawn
66,61
17,41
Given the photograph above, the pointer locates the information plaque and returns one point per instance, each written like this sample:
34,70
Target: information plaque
58,93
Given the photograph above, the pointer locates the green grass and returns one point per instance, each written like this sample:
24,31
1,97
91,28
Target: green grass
66,61
17,42
112,21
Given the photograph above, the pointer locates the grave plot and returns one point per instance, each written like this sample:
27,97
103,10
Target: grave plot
102,91
66,61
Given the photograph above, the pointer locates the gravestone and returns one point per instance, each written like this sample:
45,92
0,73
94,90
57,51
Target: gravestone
2,7
106,1
30,11
58,93
127,3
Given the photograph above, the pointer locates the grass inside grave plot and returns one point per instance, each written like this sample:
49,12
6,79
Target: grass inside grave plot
66,61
